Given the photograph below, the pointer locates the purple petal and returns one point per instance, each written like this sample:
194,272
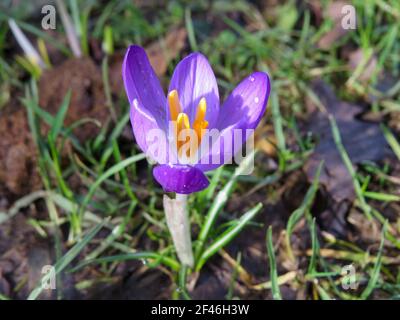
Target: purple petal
142,84
194,79
150,138
243,110
246,104
181,179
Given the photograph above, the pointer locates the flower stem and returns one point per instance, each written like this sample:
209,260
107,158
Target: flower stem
177,216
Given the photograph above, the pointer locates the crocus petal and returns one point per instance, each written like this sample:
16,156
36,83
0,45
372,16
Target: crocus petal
194,79
142,84
243,110
181,179
149,136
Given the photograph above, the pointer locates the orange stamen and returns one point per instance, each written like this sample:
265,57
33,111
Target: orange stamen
200,123
182,121
175,107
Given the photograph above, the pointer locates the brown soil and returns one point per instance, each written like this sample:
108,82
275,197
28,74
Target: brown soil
22,256
18,155
17,152
88,100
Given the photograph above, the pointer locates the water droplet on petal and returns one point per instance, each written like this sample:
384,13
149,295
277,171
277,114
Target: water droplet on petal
256,99
251,78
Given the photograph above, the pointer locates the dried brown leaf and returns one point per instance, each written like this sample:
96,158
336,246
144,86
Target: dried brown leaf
362,140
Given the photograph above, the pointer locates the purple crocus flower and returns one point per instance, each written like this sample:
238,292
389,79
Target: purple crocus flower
192,103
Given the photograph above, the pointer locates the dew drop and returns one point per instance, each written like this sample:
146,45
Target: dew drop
256,99
179,289
251,78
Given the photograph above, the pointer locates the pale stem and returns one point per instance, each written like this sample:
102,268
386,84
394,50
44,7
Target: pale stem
177,216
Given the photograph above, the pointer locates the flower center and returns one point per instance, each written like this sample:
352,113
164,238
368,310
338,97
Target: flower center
182,123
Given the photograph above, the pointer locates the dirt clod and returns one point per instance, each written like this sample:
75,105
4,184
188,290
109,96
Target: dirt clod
88,100
17,152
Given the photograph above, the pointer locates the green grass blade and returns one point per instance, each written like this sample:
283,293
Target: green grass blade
277,120
124,175
119,126
182,283
73,4
207,194
276,293
4,297
394,144
347,162
84,31
59,118
381,196
111,171
227,236
190,29
114,235
377,267
49,119
304,207
66,260
173,264
315,248
323,293
219,202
